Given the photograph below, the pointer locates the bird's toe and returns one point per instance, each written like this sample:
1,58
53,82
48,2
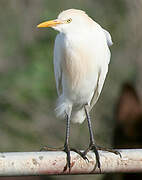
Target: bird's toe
68,164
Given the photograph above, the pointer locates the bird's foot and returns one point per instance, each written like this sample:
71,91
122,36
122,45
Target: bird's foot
64,148
94,148
67,150
109,150
68,164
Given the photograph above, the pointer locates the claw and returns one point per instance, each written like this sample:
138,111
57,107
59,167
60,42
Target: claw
80,153
118,153
46,148
110,150
68,165
67,150
85,158
94,148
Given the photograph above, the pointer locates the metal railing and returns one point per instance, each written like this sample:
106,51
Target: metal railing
53,162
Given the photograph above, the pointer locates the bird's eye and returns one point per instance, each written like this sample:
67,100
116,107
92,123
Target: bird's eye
69,20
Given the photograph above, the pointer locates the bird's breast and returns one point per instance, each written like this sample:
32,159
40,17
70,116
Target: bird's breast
82,59
80,71
78,64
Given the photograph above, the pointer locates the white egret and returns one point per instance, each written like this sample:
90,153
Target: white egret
81,59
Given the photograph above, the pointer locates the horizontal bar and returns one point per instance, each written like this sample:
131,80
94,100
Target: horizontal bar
53,162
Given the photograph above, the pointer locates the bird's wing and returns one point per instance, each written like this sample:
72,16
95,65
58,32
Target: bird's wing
101,78
101,75
102,72
108,37
57,64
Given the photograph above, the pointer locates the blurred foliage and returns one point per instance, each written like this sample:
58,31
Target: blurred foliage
27,85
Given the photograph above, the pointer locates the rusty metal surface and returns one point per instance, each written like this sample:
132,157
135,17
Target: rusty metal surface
46,163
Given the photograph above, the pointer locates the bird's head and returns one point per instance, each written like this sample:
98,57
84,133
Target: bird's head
68,20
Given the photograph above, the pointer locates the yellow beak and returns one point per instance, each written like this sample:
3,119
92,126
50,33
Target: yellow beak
49,23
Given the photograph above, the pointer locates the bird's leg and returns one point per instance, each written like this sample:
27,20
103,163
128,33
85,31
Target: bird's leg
67,148
92,145
66,145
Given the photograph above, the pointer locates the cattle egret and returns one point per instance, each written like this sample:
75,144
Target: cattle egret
81,59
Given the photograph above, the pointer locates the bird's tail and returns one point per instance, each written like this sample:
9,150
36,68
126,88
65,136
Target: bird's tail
78,116
63,107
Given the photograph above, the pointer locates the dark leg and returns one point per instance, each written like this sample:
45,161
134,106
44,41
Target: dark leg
92,145
66,145
67,148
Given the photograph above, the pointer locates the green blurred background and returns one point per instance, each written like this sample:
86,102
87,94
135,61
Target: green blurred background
27,85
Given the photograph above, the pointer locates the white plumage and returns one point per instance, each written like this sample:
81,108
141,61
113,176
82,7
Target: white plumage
81,58
80,63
